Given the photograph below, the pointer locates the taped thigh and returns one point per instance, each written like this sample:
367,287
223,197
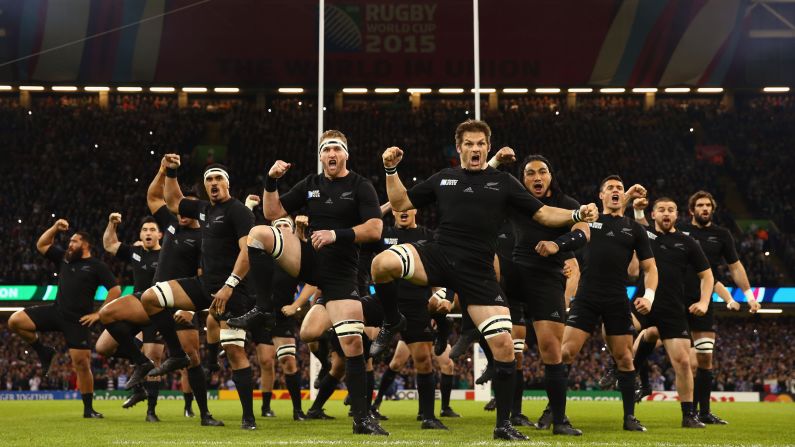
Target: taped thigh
496,325
165,296
278,243
235,337
406,260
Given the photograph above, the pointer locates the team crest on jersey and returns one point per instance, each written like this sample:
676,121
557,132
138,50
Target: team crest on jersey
348,195
448,182
597,225
201,216
390,241
171,229
137,257
651,235
493,186
314,194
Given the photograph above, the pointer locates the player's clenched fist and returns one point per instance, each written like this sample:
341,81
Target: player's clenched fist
392,157
505,155
114,218
61,225
547,248
279,169
172,161
589,213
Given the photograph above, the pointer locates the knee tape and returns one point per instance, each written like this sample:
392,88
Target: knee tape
406,260
518,345
704,345
495,325
164,294
235,337
349,328
285,350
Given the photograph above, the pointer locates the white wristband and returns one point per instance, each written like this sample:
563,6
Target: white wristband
333,236
441,294
232,281
749,295
494,163
649,295
639,214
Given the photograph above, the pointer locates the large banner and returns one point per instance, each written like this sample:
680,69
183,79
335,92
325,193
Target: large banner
98,395
384,43
773,295
716,396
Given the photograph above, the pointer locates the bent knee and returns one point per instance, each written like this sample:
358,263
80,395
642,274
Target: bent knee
386,266
17,320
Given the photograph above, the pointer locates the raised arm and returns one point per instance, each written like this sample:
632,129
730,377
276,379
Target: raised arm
386,209
48,237
155,194
172,192
550,216
579,235
271,204
638,208
110,241
505,155
398,196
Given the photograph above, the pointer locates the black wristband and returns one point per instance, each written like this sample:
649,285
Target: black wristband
390,171
572,240
345,235
171,173
271,184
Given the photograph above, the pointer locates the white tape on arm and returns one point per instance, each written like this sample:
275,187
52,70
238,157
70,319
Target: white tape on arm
649,295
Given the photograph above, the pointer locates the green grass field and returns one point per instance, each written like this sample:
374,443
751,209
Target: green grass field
58,423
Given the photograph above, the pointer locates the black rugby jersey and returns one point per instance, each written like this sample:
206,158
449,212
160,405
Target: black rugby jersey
608,254
144,263
529,233
222,226
675,254
506,243
333,204
180,249
393,235
78,282
472,206
718,245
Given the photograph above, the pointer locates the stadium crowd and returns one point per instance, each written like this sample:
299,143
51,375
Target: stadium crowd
89,162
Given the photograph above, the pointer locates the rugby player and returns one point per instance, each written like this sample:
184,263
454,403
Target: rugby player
72,314
473,201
